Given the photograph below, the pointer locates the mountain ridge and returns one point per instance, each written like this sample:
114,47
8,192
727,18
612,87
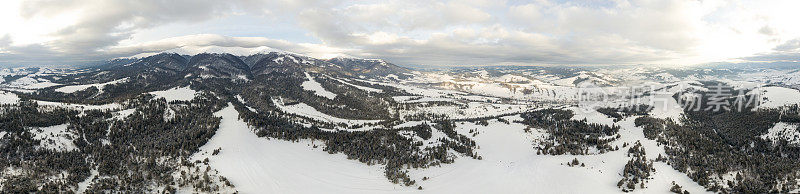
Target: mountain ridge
265,62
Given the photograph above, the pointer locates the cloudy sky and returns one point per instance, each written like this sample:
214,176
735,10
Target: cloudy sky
413,32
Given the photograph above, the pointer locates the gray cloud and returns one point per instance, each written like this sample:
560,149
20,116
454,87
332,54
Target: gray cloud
789,46
788,51
105,23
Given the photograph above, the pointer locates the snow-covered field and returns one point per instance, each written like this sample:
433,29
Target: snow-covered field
510,166
75,88
8,98
778,96
32,78
55,138
260,165
181,93
80,106
316,87
784,131
509,163
30,82
368,89
470,110
305,110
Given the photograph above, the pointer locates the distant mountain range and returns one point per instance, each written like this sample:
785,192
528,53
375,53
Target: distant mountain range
224,65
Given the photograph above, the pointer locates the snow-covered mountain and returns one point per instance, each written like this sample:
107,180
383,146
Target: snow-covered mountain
286,123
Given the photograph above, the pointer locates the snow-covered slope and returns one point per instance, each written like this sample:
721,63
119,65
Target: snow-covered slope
784,131
305,110
55,138
368,89
75,88
261,165
30,82
8,98
508,165
316,87
181,93
80,106
774,97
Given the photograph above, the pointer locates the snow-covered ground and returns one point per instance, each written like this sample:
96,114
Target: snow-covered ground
75,88
32,78
368,89
30,82
83,185
123,113
316,87
80,106
180,93
778,96
784,131
509,164
786,77
470,110
55,138
416,90
305,110
261,165
8,98
416,99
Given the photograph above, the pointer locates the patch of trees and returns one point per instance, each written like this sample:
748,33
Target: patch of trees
458,142
422,130
575,162
621,112
677,189
567,136
637,171
651,127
